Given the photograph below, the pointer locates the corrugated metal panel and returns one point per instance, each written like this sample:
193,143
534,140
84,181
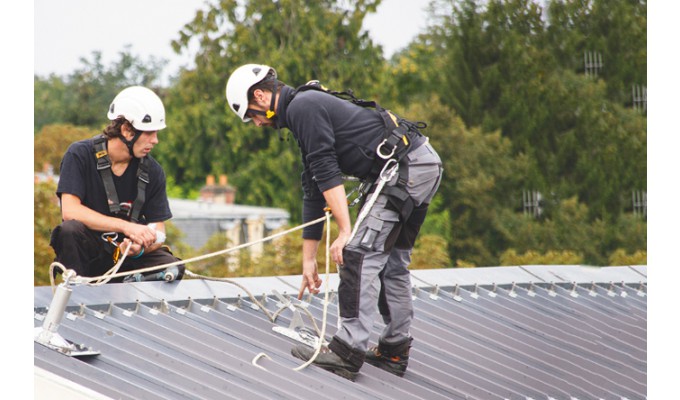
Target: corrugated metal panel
508,333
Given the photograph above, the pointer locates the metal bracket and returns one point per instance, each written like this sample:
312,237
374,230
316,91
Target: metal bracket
297,331
47,334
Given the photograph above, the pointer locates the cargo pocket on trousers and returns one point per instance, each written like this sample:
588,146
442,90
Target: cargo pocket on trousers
349,289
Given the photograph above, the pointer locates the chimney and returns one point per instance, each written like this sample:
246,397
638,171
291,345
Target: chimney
218,194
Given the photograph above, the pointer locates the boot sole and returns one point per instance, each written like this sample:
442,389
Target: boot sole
343,372
386,367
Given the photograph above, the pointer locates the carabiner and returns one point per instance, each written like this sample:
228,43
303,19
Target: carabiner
111,238
387,174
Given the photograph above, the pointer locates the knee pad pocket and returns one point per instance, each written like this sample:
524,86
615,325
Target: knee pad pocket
349,289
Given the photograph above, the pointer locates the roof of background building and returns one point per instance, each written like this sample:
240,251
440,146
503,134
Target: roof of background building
527,332
199,220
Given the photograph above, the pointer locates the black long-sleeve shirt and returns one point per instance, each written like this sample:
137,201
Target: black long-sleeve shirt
335,137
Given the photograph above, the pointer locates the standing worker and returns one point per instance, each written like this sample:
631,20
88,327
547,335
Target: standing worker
112,193
337,137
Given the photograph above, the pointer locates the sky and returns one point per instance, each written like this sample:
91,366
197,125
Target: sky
67,30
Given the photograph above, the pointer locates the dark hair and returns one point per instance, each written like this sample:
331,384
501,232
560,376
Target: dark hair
114,129
268,83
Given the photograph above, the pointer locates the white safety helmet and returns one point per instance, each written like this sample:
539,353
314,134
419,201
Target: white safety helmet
140,106
240,82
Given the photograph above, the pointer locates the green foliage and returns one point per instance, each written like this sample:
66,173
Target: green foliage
302,41
83,97
620,257
52,141
46,215
562,257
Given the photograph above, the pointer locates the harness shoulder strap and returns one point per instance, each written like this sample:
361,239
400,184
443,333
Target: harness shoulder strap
104,168
142,180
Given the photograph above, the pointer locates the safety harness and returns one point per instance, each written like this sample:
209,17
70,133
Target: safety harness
104,168
399,138
400,133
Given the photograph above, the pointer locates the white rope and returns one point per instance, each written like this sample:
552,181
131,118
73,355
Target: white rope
112,273
325,299
385,176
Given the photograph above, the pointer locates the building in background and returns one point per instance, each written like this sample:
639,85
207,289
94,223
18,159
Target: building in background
215,212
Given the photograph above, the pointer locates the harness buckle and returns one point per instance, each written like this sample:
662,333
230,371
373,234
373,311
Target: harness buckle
381,154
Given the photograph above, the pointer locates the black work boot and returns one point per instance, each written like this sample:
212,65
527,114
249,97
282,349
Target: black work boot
392,358
330,360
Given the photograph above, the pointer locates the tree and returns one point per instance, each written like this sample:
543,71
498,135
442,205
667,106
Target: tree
302,40
46,216
82,98
52,142
481,177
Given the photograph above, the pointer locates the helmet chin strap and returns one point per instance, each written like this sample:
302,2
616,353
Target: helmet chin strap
131,143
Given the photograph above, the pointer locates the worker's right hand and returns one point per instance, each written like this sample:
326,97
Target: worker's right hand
141,234
310,278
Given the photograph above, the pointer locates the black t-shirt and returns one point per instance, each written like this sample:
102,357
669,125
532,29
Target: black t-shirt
79,177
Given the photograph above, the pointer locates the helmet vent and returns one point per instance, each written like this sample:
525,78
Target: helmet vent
257,71
147,118
236,106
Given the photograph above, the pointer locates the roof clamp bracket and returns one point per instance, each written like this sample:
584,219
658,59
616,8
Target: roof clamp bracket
416,291
531,292
512,293
641,291
574,293
611,292
552,291
493,293
435,293
284,301
298,331
475,292
135,310
103,314
164,306
456,295
624,293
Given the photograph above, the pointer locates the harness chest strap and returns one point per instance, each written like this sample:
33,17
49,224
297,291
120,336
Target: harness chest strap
104,168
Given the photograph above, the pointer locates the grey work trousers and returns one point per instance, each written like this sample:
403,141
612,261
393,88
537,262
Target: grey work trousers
377,258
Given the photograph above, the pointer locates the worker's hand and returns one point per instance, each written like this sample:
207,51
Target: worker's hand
135,248
310,278
337,247
141,234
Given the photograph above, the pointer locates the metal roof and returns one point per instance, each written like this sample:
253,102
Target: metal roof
526,332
